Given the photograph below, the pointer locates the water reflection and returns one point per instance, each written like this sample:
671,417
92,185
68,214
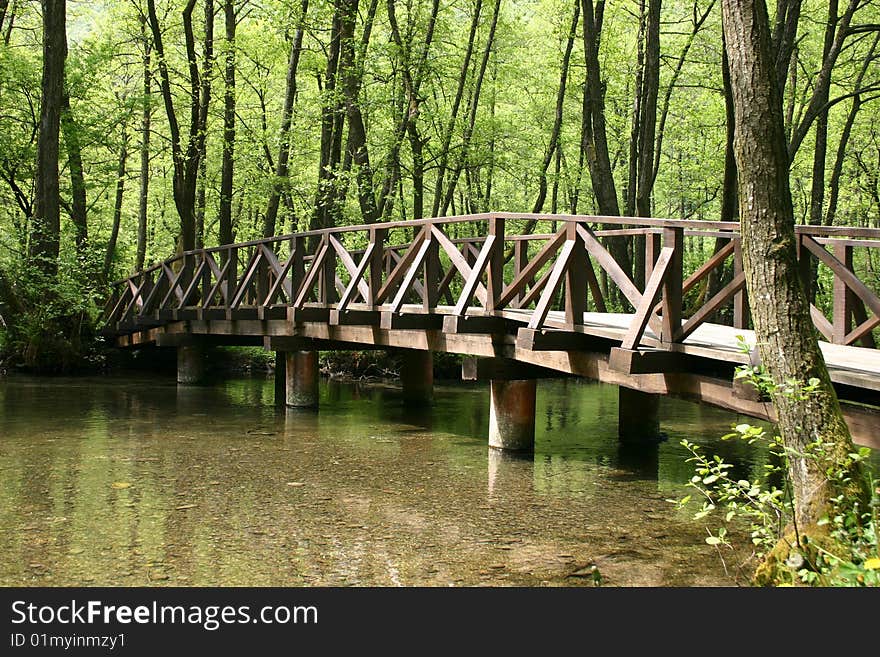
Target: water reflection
143,482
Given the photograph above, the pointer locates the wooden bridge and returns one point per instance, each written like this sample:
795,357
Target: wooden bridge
523,306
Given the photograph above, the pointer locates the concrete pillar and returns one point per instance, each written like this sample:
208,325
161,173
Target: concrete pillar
417,377
512,415
190,364
280,378
301,372
638,419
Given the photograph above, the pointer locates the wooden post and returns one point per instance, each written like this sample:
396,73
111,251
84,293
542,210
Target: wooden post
740,299
298,268
672,284
512,415
231,281
190,364
575,279
805,271
520,260
327,279
301,376
431,270
495,267
652,252
844,299
377,237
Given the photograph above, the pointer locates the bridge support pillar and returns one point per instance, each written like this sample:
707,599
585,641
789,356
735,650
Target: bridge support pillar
190,364
301,374
638,417
280,378
512,414
417,377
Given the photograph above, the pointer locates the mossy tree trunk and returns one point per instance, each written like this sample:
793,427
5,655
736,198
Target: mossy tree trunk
780,310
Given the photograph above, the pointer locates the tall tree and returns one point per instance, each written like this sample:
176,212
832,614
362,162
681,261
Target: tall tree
282,169
146,117
186,157
228,165
780,308
45,232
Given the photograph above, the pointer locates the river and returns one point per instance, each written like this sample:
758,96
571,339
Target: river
134,481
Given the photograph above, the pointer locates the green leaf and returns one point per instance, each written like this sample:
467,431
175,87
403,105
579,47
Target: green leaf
713,540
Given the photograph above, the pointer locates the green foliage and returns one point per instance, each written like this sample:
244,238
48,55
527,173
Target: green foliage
49,325
849,558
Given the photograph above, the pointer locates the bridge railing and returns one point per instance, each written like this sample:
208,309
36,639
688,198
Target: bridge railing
476,273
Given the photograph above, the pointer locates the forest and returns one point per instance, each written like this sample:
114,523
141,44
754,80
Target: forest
183,124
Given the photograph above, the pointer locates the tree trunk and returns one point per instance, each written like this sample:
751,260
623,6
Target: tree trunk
595,140
780,310
453,113
143,196
227,167
327,208
553,145
718,277
45,229
78,206
472,114
110,252
282,170
408,125
187,159
351,69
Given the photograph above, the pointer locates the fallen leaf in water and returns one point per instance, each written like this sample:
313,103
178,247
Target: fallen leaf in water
184,507
120,484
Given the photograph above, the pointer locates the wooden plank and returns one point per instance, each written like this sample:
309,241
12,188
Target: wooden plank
559,268
646,361
672,283
558,340
410,275
194,284
593,284
843,298
470,285
502,369
575,280
862,330
652,291
400,269
535,291
821,323
219,285
495,264
518,285
713,304
706,267
173,285
606,262
349,317
350,266
357,277
282,282
407,321
458,262
848,277
740,299
311,277
481,324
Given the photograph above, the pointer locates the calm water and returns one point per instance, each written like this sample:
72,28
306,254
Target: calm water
139,482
